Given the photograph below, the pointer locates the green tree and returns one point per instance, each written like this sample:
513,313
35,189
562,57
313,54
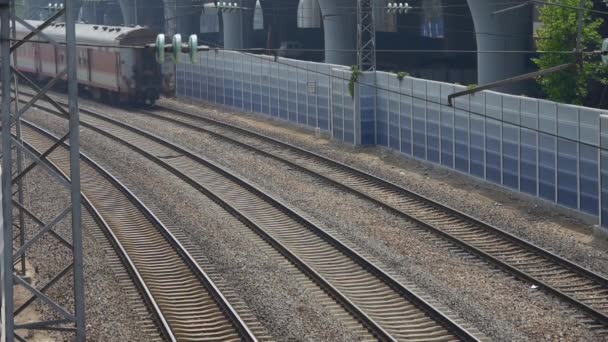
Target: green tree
558,33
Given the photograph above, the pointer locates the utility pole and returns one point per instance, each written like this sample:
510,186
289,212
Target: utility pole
366,35
71,319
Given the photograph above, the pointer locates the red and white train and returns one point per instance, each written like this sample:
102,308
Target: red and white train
113,64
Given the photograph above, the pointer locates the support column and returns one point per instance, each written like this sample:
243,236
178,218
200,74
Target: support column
508,31
340,30
127,8
88,13
238,26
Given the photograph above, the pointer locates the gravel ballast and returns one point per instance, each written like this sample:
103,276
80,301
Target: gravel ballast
493,301
501,307
557,229
110,311
409,253
271,287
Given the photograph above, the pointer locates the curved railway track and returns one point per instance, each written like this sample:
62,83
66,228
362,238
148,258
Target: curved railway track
582,288
184,302
387,309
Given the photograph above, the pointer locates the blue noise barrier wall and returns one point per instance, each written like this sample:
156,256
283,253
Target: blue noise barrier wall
553,151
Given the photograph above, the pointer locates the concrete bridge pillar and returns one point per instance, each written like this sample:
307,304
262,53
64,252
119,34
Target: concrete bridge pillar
508,31
238,26
340,31
280,21
89,13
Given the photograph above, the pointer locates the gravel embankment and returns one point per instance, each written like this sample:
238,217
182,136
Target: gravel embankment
500,306
288,306
110,313
554,228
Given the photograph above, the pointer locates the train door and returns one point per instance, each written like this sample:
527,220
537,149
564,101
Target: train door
83,68
89,68
37,59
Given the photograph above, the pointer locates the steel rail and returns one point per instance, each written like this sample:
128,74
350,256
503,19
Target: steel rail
374,327
136,277
522,243
164,326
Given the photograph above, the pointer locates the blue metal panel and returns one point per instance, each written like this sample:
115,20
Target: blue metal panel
302,95
567,188
493,150
419,128
406,108
323,102
494,105
589,120
432,131
238,80
447,136
228,80
349,119
292,97
283,92
311,104
367,104
219,79
382,109
247,83
604,188
510,156
547,115
433,92
180,84
273,97
256,78
567,121
338,92
529,113
589,179
461,141
476,103
477,145
419,89
393,107
511,109
204,77
546,166
265,89
528,164
212,71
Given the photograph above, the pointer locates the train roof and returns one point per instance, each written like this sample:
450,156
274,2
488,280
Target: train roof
96,34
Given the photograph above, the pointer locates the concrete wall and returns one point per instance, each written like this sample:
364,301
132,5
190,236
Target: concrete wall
552,151
310,94
537,147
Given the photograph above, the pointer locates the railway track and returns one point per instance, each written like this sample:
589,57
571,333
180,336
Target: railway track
582,288
181,298
386,309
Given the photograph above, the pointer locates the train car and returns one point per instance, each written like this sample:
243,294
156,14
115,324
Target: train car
113,64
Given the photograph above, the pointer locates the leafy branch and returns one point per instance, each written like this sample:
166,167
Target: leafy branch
355,72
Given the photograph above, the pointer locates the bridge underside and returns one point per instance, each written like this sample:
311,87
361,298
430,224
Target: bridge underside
333,36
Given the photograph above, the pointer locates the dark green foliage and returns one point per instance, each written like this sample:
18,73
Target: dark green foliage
355,72
401,75
559,33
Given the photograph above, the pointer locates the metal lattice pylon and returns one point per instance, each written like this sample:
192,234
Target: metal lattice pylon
14,248
366,35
